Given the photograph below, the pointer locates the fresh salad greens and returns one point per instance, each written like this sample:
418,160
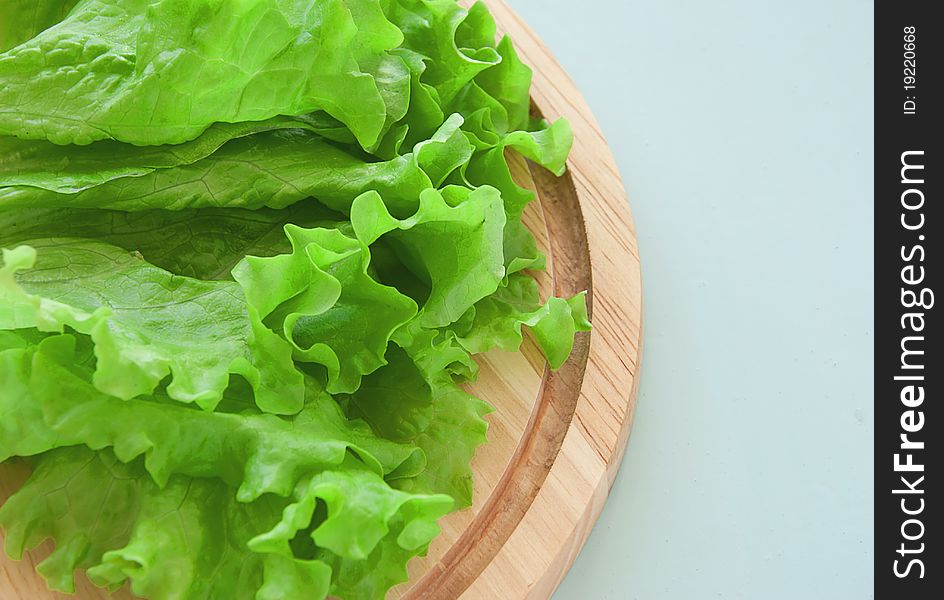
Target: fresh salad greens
250,248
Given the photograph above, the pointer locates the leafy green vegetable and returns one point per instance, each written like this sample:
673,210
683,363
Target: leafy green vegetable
322,295
250,249
465,226
22,430
414,399
203,244
247,450
496,321
273,169
110,518
174,67
147,323
23,19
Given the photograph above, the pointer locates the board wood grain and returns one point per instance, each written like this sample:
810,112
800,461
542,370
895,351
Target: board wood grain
556,439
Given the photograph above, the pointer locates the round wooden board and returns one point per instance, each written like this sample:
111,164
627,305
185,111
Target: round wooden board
556,439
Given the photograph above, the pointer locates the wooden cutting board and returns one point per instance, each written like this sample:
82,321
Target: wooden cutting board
556,439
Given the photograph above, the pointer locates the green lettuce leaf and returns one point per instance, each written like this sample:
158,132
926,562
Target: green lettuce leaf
147,323
548,147
22,430
433,28
301,61
203,244
413,399
256,453
72,169
322,299
457,428
110,518
362,528
23,19
497,321
274,169
453,242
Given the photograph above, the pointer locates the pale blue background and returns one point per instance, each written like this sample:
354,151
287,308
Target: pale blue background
743,130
